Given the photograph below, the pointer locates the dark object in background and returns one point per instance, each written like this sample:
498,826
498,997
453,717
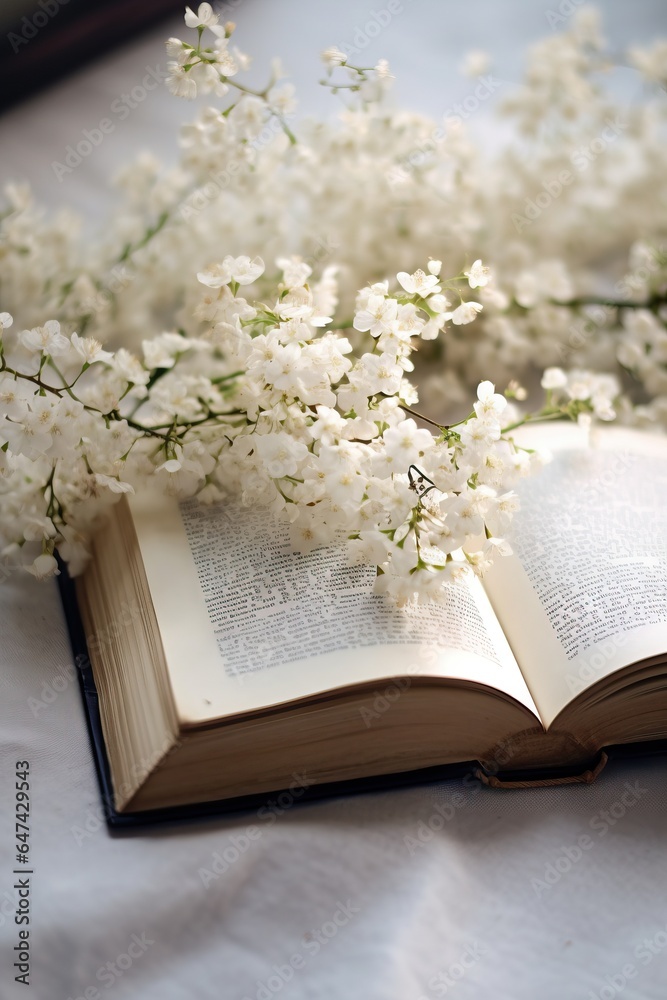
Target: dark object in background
41,40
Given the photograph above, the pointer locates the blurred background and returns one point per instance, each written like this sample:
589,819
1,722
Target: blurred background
65,66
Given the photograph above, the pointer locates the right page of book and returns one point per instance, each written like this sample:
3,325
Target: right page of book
585,592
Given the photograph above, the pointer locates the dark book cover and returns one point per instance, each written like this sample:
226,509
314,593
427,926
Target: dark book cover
44,40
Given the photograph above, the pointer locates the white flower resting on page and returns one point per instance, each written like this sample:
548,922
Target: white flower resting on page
273,405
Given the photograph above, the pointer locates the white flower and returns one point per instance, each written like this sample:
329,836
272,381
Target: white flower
490,404
406,443
378,315
465,513
465,313
204,18
31,436
435,267
162,351
332,57
479,434
129,367
113,484
295,271
377,373
14,397
244,270
45,339
475,63
548,280
89,349
280,453
604,393
67,426
500,511
36,528
478,275
554,378
216,275
418,283
308,531
329,426
6,321
651,62
172,465
281,99
181,82
176,49
44,566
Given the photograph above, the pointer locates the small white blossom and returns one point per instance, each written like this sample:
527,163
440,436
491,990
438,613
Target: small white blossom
490,404
113,484
418,283
89,349
180,82
204,18
466,313
280,453
45,339
554,378
332,57
478,275
44,567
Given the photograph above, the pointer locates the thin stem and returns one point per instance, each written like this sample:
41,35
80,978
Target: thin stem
531,417
591,300
421,416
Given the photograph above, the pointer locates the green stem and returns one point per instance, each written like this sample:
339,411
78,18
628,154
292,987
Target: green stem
534,418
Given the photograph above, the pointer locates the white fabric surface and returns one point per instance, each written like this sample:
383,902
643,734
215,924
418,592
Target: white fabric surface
416,917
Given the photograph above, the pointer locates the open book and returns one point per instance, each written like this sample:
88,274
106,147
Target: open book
226,665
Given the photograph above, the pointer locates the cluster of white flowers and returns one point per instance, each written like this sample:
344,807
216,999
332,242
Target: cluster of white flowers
270,402
292,386
195,69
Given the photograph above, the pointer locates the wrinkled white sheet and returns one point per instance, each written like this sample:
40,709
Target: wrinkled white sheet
445,890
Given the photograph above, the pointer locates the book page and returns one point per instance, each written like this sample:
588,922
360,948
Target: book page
247,623
586,591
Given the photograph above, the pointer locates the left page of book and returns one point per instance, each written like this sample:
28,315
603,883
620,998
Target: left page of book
246,623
